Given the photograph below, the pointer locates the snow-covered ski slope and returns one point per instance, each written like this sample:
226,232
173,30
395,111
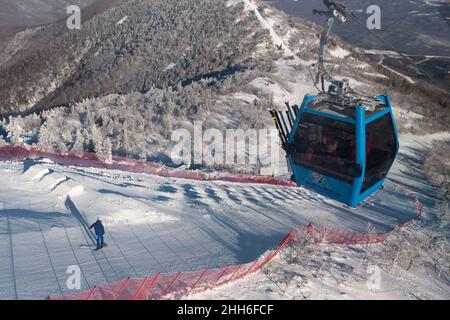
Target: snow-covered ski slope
157,224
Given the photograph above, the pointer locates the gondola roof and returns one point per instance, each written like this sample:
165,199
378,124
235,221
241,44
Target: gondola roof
346,109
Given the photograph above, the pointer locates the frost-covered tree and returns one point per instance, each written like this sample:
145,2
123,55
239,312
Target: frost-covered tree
161,44
15,131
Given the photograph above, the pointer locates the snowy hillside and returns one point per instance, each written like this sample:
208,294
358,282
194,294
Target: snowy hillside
127,102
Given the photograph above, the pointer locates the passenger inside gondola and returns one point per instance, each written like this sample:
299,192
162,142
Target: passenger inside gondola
330,144
326,146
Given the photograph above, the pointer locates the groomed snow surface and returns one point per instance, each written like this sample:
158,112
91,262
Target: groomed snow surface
156,224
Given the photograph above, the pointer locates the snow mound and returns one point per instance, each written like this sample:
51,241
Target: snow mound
75,191
68,188
36,172
53,180
44,177
47,178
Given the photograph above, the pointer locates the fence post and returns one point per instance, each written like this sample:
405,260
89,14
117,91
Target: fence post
285,241
220,276
196,282
170,285
342,238
351,238
249,269
153,281
369,238
121,288
133,297
231,278
91,292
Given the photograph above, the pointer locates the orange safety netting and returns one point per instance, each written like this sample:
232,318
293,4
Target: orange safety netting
19,153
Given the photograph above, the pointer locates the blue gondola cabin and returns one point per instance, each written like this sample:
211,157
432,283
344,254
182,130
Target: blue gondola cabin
342,152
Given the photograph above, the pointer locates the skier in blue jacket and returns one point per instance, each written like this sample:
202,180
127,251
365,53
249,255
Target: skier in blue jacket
99,232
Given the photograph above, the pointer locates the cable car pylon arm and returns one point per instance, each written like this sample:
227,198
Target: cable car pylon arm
335,10
321,71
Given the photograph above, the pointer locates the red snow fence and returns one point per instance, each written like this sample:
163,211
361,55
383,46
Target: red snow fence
19,153
175,285
326,235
